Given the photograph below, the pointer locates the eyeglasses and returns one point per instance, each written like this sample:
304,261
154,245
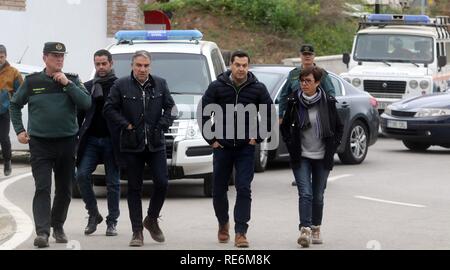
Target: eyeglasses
306,81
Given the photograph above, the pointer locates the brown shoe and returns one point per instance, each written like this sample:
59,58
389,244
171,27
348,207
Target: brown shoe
151,224
223,234
137,240
240,241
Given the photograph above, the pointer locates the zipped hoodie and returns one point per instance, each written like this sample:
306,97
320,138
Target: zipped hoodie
236,131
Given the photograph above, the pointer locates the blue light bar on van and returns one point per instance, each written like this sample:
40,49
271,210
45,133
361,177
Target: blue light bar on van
387,18
159,35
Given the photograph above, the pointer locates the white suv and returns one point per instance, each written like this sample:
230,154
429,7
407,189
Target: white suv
189,65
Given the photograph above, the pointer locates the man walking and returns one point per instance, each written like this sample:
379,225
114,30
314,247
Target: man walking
142,106
10,80
53,98
234,148
307,56
96,146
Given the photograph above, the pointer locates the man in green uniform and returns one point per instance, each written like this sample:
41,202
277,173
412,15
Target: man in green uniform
307,56
53,98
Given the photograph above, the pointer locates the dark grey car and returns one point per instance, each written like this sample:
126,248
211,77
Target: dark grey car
356,108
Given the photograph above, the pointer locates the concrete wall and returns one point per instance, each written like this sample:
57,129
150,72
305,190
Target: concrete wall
80,24
332,63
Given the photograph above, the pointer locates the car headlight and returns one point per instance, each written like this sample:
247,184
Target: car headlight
356,82
413,84
193,131
388,110
429,112
424,84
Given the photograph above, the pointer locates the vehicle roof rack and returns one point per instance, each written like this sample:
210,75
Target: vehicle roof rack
441,23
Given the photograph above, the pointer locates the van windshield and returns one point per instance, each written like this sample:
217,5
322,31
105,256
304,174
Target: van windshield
394,48
184,73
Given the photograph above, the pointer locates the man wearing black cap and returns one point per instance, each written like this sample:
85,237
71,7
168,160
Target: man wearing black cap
53,98
10,80
307,57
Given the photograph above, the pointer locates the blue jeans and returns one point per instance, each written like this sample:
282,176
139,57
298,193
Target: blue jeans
243,159
98,149
311,178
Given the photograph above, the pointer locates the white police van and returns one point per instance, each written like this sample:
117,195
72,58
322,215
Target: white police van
189,65
399,56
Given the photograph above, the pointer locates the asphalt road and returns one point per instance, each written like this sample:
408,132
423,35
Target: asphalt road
396,199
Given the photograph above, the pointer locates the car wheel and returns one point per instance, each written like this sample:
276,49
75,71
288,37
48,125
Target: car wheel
356,145
416,146
261,158
208,183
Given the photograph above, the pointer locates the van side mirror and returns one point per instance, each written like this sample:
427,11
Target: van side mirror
442,61
346,58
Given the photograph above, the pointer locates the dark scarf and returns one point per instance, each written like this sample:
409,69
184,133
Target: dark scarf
97,90
323,118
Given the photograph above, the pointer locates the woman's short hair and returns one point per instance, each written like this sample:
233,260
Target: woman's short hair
317,73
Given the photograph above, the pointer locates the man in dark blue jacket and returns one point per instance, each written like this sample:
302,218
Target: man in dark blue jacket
142,106
234,138
96,145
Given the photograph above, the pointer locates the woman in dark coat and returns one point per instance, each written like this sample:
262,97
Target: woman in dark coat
312,131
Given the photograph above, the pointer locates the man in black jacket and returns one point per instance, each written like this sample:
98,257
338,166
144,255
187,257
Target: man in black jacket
234,138
142,106
96,146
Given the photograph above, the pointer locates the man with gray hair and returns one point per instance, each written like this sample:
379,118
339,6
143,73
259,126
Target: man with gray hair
141,104
10,80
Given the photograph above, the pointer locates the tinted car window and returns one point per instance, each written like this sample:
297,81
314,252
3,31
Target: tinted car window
270,80
184,73
337,85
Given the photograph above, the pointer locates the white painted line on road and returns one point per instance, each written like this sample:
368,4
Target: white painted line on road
390,202
24,225
337,177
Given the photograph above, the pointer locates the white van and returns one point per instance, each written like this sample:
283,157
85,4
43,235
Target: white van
189,64
399,56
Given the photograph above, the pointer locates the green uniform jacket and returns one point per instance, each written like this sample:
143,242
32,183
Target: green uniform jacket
292,84
52,107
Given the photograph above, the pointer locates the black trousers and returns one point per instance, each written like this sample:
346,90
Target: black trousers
5,142
135,163
47,155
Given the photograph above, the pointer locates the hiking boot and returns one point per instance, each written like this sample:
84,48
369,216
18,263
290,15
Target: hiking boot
41,241
137,240
111,230
315,231
60,236
93,221
7,168
223,234
240,241
151,224
305,237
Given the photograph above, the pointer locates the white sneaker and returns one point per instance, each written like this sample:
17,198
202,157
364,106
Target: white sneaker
305,237
316,235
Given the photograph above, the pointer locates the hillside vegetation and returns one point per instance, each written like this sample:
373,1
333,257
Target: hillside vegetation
271,30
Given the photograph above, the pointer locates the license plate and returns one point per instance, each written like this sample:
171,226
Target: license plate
382,105
397,124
